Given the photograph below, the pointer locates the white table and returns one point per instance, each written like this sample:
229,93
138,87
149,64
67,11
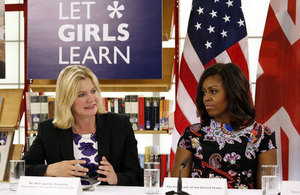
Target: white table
124,190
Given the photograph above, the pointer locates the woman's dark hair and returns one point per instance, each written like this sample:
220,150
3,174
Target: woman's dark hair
236,85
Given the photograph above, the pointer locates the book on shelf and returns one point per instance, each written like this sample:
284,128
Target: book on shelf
112,105
118,108
28,108
166,112
51,106
127,105
123,105
35,109
134,111
108,105
43,99
155,113
147,113
118,105
105,103
161,116
141,123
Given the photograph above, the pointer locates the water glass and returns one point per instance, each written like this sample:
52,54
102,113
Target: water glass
151,177
270,179
16,170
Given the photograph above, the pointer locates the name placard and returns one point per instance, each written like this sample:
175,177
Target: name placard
197,186
49,185
290,188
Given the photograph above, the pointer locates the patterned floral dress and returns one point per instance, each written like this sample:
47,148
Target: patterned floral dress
85,148
220,152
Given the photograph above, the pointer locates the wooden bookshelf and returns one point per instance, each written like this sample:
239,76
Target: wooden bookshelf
125,85
10,114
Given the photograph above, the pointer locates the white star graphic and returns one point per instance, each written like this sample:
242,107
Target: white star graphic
200,10
208,44
229,3
213,13
115,9
211,29
198,26
217,1
224,33
241,23
226,18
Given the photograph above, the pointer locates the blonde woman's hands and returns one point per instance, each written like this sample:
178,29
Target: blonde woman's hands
66,168
107,169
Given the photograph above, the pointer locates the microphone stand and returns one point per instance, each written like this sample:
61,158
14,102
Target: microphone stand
179,181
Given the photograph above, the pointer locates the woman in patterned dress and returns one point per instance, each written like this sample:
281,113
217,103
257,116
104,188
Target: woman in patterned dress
228,143
83,140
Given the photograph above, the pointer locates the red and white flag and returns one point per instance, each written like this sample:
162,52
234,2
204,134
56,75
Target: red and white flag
216,33
277,99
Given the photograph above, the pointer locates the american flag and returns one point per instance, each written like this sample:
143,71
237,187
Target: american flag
216,33
277,99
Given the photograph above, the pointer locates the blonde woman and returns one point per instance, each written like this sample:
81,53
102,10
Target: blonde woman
83,140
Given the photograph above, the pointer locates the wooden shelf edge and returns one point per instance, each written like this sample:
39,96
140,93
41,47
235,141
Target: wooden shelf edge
32,132
8,128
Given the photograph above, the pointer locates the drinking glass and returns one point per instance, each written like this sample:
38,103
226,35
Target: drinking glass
16,170
151,177
270,179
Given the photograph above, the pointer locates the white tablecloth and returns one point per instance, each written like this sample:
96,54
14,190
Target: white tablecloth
122,190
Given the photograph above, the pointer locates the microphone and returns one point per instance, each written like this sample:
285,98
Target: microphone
184,162
179,181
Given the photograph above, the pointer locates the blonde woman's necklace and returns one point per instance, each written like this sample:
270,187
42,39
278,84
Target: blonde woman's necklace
79,132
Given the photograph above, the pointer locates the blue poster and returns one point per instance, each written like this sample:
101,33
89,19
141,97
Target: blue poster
116,39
